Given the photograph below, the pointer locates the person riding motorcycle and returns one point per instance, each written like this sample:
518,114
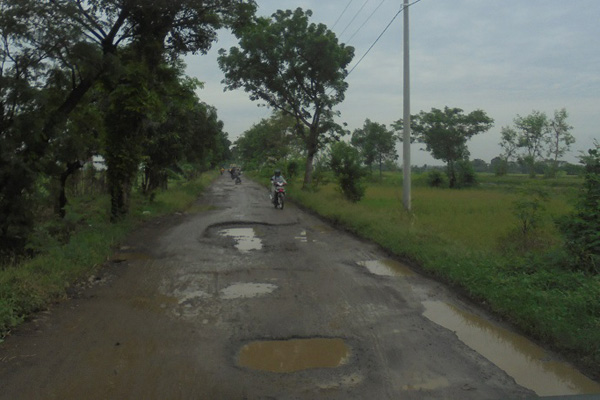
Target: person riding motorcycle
276,178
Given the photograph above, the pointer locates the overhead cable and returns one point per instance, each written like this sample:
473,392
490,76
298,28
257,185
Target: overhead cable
338,18
353,18
366,20
381,34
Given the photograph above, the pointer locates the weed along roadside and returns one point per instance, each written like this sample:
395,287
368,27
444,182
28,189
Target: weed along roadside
32,285
472,240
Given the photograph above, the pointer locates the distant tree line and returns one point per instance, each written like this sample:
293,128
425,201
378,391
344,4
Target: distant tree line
101,77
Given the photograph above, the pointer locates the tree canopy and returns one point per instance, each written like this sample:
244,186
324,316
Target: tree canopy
446,132
293,66
79,77
376,144
534,136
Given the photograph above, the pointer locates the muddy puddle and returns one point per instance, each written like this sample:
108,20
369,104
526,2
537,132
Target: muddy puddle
246,290
386,267
246,239
292,355
520,358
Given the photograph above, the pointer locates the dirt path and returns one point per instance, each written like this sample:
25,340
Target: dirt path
244,301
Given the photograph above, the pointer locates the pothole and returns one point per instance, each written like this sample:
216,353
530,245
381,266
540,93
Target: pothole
285,356
522,359
386,267
246,239
245,290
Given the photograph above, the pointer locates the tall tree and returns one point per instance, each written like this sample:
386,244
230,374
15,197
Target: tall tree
535,136
446,132
560,138
296,67
376,144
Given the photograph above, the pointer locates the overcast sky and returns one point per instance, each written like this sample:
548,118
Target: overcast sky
507,58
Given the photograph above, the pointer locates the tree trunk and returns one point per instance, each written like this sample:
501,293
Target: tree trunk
62,196
451,175
311,150
119,199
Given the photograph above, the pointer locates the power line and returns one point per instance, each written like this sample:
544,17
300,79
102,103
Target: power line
380,35
338,18
355,15
366,20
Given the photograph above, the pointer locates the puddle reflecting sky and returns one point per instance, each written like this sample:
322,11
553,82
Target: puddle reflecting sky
522,359
386,267
246,238
294,355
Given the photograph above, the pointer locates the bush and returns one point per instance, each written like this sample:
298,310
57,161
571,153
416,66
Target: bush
466,174
293,166
582,229
345,161
528,234
436,178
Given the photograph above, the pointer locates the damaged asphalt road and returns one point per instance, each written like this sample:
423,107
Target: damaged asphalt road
247,302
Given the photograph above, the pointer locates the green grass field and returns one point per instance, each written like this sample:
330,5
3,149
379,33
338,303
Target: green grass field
470,238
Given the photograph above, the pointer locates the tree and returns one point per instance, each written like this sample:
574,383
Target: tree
295,67
532,133
445,134
537,136
480,165
53,53
560,138
376,144
270,140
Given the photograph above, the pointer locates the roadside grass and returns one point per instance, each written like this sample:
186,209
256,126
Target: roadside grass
31,286
459,237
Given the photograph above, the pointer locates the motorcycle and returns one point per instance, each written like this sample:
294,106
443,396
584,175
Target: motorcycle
279,196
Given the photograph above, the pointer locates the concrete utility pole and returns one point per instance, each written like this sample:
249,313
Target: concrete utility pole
406,118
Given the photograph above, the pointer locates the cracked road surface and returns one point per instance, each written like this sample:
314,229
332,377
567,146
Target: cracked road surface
237,300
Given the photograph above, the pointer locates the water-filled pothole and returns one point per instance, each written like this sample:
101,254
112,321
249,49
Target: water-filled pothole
246,239
292,355
246,289
386,267
522,359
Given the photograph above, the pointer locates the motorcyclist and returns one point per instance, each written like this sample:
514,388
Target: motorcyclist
276,178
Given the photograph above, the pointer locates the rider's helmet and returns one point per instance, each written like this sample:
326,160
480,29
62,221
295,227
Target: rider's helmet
277,172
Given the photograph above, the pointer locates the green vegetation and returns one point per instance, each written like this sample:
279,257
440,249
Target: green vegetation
472,238
101,78
30,285
296,67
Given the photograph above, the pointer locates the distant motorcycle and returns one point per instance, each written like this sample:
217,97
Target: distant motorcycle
279,197
238,180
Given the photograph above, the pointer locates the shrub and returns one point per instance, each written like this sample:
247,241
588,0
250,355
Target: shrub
436,178
345,162
466,174
293,166
582,229
530,213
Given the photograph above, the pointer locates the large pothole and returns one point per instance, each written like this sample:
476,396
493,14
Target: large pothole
246,238
285,356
